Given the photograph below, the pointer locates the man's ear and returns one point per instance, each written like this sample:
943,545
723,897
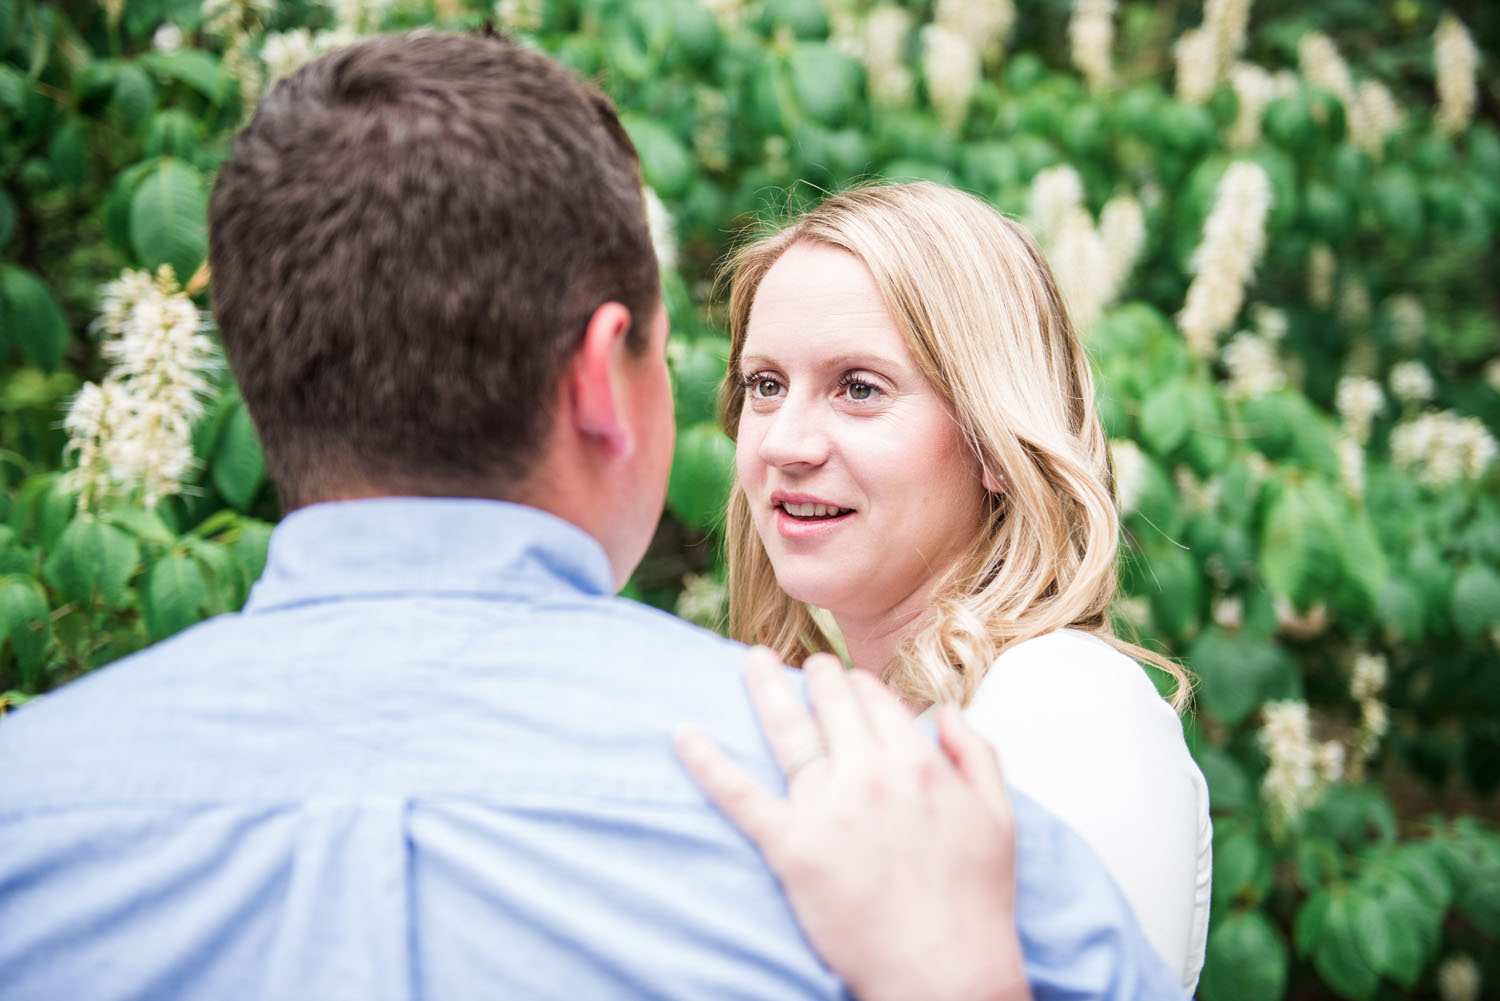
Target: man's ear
594,382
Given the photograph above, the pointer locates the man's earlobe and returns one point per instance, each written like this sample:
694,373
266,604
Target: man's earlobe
594,383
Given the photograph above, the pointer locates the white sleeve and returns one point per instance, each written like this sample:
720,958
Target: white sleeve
1081,729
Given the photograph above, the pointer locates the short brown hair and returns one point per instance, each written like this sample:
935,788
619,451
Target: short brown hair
407,242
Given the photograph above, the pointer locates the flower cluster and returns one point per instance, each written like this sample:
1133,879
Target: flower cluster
1354,302
1233,240
1122,227
1129,465
951,67
285,52
1366,684
518,15
362,16
728,13
1254,89
704,600
1408,320
1458,978
1351,456
1443,448
1358,400
1301,768
1091,36
986,23
1411,382
227,17
1456,58
1091,263
237,22
1253,365
883,50
1206,52
663,231
1322,266
1197,496
711,135
131,434
1370,111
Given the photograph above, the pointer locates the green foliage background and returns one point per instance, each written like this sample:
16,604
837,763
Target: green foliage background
108,144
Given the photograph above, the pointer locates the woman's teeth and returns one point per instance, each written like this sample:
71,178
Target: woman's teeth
813,510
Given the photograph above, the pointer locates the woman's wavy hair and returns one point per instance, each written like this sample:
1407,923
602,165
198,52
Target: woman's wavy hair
978,307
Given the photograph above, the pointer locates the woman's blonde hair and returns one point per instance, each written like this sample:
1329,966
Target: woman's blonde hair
976,303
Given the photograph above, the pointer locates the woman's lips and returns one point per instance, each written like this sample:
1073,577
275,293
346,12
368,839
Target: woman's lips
809,520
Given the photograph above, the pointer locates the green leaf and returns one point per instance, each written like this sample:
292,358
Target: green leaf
1412,932
68,152
1229,788
239,466
825,80
24,622
144,525
30,318
1298,551
697,373
7,227
117,204
1362,559
93,561
172,132
1476,600
168,219
229,580
668,166
1372,929
1400,607
1236,673
14,91
702,471
251,543
1246,960
1311,918
1208,444
134,97
1242,869
1164,418
1337,954
1173,582
174,594
193,67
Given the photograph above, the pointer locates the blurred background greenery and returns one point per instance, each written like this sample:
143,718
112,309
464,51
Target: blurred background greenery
1274,222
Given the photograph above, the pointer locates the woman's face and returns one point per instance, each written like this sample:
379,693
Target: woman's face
859,482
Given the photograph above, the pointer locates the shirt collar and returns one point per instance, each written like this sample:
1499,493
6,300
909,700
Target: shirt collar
405,545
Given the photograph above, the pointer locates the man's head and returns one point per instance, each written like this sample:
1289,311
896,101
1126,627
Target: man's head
410,243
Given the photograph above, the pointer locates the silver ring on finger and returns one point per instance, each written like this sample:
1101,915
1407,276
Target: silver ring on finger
802,759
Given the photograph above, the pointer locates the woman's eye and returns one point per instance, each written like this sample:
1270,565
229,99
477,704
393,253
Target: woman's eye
861,391
766,387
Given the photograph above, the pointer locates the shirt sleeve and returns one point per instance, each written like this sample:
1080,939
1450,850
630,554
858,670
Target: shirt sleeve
1081,729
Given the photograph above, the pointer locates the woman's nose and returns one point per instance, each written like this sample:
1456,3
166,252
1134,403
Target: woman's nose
795,435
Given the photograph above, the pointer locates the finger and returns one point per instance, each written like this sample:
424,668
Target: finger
752,809
786,719
887,717
839,715
974,758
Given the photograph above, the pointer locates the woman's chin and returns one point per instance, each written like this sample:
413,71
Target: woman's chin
832,596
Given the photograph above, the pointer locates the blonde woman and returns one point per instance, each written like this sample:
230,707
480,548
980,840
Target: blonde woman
918,455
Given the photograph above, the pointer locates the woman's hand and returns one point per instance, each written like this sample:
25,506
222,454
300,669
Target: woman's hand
897,857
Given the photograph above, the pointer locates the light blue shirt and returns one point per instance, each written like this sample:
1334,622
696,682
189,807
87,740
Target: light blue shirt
432,759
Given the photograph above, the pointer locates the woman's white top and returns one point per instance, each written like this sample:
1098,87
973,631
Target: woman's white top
1081,729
